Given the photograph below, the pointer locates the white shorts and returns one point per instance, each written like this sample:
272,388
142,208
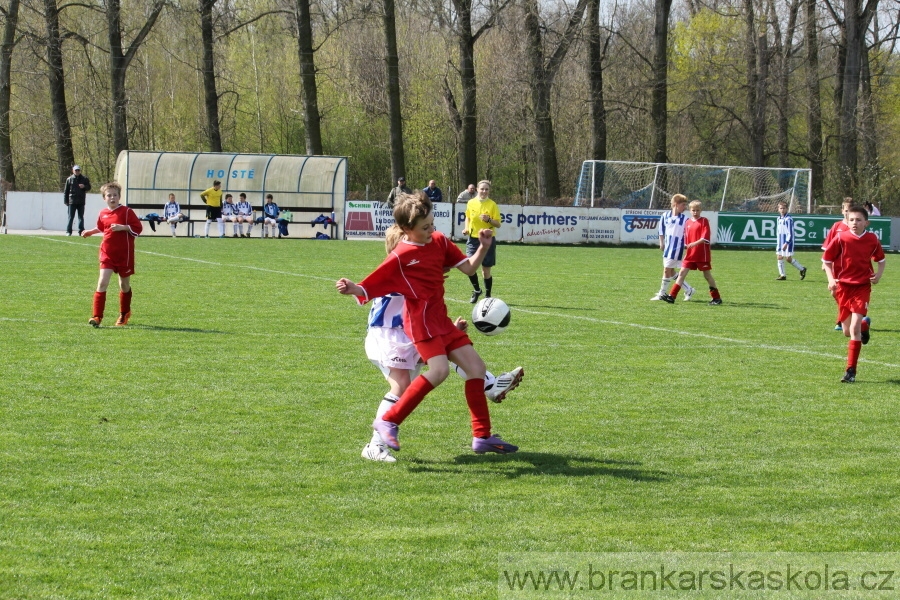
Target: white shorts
784,253
671,263
390,349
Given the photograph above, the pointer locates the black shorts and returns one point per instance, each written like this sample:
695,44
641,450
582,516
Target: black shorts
213,213
472,247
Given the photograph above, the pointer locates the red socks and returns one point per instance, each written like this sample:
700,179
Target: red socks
674,291
714,292
853,348
478,408
410,399
99,304
125,302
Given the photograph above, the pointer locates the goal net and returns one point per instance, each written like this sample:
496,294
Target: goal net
637,185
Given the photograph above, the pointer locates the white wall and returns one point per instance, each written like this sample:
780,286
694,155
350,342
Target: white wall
45,210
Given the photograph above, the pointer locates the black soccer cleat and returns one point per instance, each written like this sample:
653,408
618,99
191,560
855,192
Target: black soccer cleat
865,332
781,278
849,376
715,302
475,295
802,273
667,298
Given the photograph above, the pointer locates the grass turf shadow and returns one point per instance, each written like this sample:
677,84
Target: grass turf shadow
539,463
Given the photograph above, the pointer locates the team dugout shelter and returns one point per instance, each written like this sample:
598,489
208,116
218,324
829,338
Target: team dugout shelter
309,187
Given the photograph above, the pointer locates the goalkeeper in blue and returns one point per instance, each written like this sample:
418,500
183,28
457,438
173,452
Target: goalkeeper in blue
784,244
671,243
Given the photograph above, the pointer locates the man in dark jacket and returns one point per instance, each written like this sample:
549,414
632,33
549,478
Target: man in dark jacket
400,189
77,187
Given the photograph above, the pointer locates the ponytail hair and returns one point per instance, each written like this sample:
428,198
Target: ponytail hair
409,209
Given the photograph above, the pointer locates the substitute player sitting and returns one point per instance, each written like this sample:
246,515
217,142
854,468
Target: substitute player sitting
245,215
172,213
671,243
230,214
848,265
698,257
784,243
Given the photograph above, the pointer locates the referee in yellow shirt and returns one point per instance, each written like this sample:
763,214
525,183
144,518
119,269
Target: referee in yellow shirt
482,213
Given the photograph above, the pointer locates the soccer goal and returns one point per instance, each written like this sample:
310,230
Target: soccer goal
619,184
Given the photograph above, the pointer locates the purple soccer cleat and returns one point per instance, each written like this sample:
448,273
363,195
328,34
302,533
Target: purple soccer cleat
388,432
492,444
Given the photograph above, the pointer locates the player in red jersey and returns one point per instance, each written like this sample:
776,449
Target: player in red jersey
848,265
697,257
836,228
119,226
415,269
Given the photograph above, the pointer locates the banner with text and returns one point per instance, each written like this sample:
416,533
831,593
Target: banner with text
758,230
369,220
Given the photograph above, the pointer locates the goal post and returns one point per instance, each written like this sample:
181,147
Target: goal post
642,185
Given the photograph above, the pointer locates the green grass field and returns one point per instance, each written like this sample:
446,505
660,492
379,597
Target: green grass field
211,449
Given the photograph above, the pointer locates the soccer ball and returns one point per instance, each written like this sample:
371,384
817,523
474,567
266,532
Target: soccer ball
490,316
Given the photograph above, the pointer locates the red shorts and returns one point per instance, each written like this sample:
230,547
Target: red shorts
442,344
120,270
853,299
696,266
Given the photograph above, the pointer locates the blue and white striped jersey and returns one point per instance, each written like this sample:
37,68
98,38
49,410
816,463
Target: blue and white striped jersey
171,209
671,229
244,208
387,311
785,234
228,209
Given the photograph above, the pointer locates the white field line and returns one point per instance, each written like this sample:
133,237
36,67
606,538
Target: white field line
714,338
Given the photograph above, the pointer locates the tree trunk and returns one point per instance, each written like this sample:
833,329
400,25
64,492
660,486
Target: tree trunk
756,55
596,53
62,131
847,156
211,96
7,172
468,147
815,157
784,47
309,94
659,96
117,76
119,59
542,75
867,125
398,160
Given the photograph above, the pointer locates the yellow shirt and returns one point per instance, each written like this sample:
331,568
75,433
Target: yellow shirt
477,207
212,197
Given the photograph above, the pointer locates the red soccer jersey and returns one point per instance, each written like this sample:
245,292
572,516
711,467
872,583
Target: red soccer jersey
117,247
417,272
851,256
832,233
693,231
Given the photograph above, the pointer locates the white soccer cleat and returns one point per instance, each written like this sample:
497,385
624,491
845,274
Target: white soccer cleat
378,452
505,383
655,297
688,293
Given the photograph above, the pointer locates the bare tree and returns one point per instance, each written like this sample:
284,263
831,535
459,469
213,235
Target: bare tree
62,131
541,81
119,60
392,62
597,48
11,14
815,147
210,95
660,91
309,93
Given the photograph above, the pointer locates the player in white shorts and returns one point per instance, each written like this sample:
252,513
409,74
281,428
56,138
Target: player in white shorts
245,215
389,349
230,214
784,243
671,243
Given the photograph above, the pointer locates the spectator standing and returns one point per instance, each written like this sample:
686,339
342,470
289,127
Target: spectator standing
433,192
400,189
77,187
873,210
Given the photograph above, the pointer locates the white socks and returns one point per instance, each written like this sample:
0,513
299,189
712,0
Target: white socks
781,268
386,403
